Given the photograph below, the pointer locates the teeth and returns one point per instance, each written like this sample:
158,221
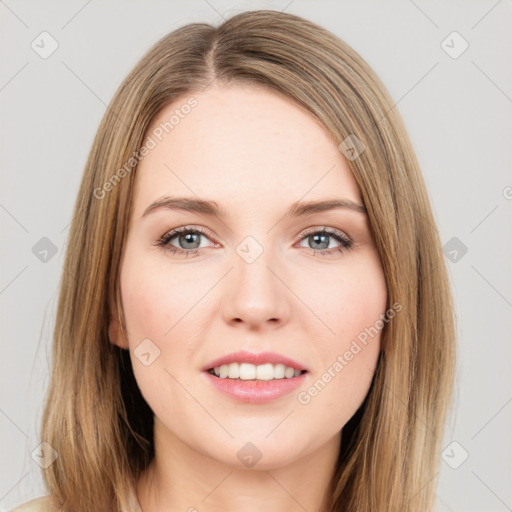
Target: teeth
233,370
246,371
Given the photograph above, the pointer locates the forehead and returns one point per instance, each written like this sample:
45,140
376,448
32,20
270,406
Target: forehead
243,145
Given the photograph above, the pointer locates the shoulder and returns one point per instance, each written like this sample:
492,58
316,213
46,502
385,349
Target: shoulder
42,504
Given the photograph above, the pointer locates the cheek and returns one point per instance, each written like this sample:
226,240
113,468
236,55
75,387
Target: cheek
361,303
360,323
161,311
347,299
156,306
352,306
154,299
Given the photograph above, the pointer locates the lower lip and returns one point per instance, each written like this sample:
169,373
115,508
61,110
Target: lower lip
256,391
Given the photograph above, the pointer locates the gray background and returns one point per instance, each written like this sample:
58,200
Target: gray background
457,111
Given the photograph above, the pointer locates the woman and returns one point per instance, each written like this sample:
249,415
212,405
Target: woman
299,354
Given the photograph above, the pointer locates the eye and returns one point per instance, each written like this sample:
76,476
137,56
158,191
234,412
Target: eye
189,238
320,239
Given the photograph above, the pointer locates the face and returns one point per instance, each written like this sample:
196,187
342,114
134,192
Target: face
256,276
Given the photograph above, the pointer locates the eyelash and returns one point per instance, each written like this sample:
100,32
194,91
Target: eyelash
163,242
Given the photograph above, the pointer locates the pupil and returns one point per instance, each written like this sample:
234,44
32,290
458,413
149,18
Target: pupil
189,238
324,244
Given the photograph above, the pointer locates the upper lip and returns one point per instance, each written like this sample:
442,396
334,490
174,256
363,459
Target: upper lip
254,358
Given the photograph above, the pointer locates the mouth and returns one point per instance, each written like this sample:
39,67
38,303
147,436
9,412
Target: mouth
255,378
255,384
250,372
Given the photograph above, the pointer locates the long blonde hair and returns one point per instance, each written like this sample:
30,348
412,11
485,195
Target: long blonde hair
95,417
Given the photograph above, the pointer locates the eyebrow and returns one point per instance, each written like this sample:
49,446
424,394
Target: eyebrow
211,208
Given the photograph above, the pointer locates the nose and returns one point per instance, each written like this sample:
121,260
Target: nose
255,293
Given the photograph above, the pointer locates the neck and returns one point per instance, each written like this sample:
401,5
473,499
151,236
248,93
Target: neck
181,479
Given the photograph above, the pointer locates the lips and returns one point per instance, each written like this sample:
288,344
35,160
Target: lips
255,359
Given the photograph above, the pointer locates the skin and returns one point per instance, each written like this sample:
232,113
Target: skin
254,153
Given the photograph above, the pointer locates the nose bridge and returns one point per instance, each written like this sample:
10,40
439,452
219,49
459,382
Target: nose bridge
256,294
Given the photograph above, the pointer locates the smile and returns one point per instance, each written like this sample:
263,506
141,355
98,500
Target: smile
262,372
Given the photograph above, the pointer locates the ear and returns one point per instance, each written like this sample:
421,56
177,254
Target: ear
116,333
